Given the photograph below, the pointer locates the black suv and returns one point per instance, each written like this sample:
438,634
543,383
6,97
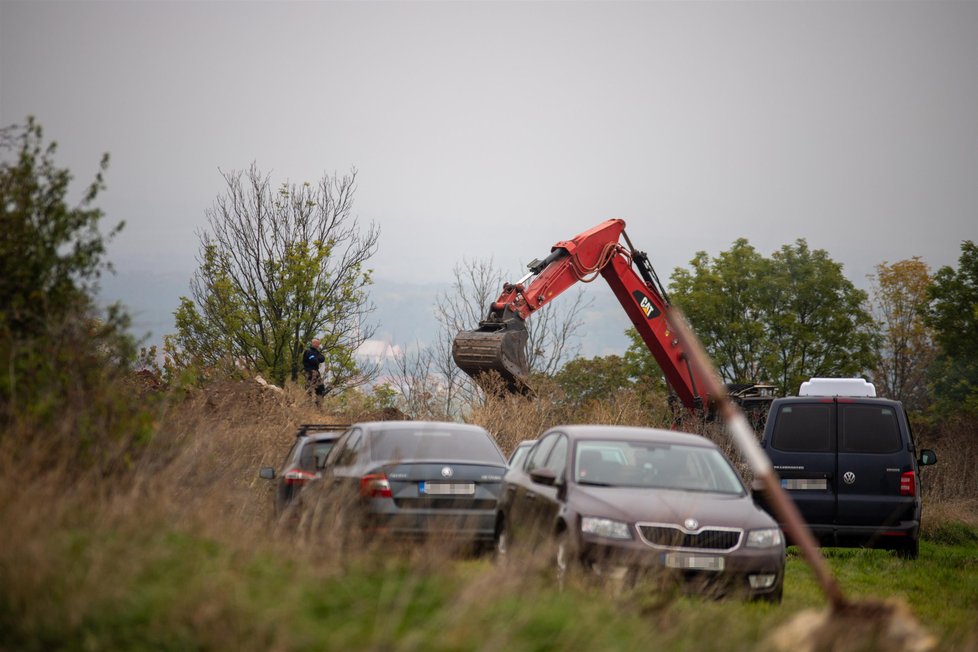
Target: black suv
304,461
850,464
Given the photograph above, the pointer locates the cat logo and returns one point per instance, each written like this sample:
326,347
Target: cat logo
645,303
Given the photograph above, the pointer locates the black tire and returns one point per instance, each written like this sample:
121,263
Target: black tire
501,544
774,597
564,558
909,550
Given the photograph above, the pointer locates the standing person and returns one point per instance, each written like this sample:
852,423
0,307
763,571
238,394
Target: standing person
312,357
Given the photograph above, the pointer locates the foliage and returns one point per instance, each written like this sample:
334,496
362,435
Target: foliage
588,379
58,352
52,253
953,314
905,348
641,366
277,269
781,319
361,404
727,300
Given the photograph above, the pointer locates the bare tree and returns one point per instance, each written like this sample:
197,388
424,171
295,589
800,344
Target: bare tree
278,267
552,330
421,392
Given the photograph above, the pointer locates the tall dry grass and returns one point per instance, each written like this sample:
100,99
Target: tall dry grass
176,546
82,552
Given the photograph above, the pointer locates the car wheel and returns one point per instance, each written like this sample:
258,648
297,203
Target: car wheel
502,543
909,550
563,558
774,597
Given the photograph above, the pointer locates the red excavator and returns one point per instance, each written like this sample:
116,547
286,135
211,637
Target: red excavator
498,346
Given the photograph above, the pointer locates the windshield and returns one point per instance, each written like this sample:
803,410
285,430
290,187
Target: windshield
660,466
421,444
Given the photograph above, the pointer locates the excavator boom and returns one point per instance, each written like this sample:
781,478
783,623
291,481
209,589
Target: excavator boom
498,346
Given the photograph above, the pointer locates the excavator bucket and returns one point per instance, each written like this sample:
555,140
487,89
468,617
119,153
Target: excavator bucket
494,348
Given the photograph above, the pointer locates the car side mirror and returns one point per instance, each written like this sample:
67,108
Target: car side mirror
266,473
927,457
544,476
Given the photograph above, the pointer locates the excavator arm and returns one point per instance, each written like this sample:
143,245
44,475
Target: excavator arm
499,344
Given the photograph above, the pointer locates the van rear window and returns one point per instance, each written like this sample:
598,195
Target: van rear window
869,429
804,428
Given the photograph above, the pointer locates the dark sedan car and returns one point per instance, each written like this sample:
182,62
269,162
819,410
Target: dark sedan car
415,478
640,502
304,461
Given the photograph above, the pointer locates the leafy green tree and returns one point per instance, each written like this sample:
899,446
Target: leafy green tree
641,366
781,319
953,314
587,379
725,299
65,361
905,348
280,267
817,322
52,252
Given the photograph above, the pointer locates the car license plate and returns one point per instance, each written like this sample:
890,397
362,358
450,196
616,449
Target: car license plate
447,488
688,561
816,484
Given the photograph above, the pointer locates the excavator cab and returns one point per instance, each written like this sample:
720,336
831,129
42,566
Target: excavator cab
496,349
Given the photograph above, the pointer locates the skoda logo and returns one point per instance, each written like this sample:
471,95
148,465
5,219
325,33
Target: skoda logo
447,472
691,524
849,477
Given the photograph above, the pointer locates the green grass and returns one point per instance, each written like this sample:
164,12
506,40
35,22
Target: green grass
941,586
108,589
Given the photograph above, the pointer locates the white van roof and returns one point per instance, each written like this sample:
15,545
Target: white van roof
837,387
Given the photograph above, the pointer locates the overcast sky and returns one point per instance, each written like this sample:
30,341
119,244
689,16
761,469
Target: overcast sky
497,129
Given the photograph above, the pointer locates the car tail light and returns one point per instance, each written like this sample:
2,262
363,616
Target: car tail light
908,484
375,485
297,477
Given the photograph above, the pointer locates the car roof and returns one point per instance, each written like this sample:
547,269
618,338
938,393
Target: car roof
323,436
426,425
305,429
865,400
657,435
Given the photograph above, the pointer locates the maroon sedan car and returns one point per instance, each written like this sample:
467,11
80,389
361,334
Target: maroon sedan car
642,503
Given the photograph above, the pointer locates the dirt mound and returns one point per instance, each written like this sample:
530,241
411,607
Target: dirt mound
246,400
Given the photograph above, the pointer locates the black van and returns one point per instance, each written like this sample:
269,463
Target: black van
850,464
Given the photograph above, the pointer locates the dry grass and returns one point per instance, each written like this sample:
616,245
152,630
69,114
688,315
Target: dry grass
178,547
955,476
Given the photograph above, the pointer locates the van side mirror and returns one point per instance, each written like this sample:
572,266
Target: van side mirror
266,473
927,457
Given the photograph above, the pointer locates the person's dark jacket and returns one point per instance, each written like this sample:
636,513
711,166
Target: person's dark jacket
312,358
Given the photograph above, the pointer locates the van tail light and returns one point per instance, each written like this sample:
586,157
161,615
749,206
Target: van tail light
375,485
296,477
908,484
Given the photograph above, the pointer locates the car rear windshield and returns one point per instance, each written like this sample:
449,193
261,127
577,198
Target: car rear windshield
805,427
654,465
421,444
869,429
